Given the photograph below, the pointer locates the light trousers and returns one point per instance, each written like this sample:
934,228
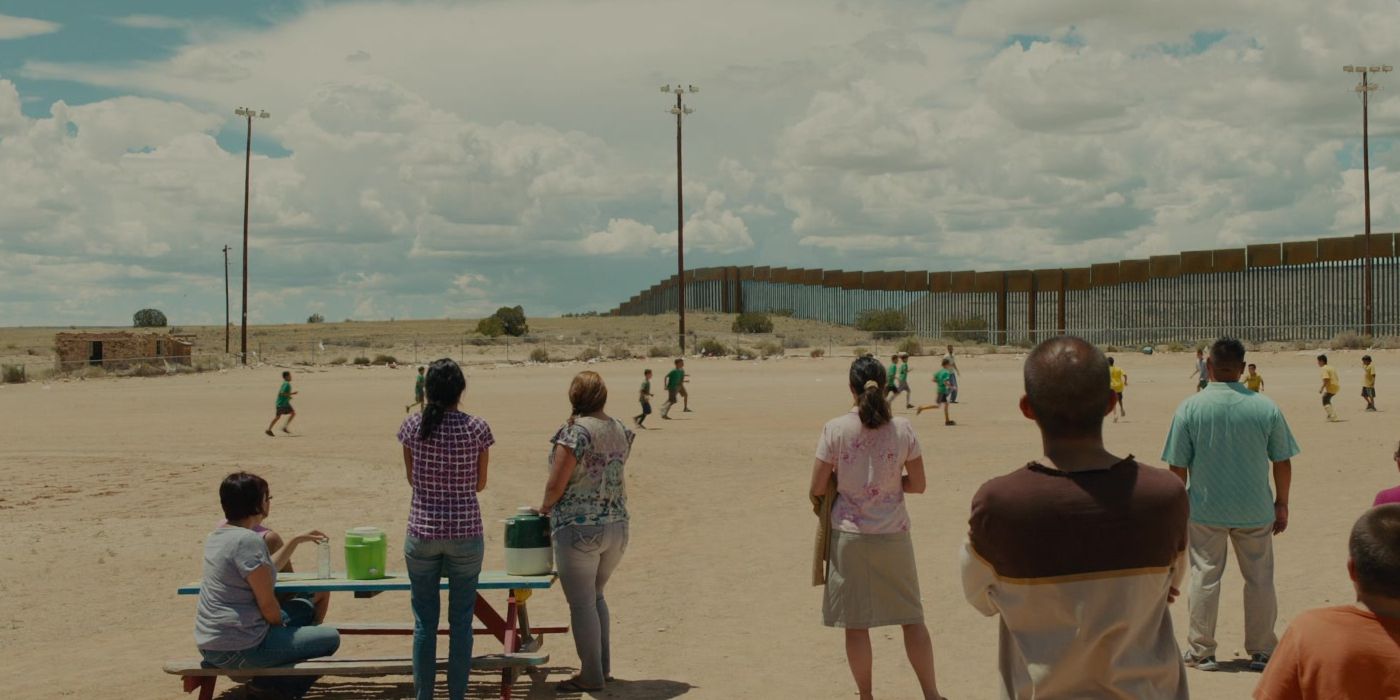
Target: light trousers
586,556
1208,550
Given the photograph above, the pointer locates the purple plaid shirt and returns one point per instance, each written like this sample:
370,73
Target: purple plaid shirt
444,476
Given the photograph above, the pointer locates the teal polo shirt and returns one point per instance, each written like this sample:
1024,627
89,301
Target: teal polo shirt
1227,438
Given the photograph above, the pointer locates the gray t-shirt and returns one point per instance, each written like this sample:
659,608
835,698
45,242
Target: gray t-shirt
227,617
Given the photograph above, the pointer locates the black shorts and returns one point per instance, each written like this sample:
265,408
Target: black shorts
284,410
646,408
1368,392
942,397
1327,399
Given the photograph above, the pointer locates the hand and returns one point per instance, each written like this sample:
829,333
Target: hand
1280,517
1172,595
310,536
543,509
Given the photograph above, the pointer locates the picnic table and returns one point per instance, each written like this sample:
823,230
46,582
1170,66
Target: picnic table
520,643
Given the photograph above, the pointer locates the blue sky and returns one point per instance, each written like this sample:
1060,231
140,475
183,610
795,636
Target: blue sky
431,159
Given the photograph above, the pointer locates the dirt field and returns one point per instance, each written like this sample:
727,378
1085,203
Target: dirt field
111,487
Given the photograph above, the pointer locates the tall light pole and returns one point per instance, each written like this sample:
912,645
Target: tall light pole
1365,87
226,319
248,113
680,110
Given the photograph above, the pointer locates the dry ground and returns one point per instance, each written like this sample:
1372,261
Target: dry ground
111,487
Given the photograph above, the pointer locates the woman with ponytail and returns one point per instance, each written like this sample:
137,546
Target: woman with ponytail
586,499
871,579
445,453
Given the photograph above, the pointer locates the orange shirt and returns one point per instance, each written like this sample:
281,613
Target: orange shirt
1339,652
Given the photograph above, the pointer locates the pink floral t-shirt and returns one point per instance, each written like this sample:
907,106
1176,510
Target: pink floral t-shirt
869,473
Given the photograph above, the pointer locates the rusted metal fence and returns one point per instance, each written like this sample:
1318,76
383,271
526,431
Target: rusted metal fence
1307,290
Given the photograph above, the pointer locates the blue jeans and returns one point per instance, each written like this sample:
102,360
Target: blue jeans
586,556
428,561
296,640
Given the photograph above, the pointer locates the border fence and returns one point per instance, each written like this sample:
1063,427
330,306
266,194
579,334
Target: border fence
1304,290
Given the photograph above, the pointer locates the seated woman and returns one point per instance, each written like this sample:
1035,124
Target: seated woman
239,622
275,543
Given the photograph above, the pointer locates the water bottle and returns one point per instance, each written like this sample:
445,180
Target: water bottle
323,559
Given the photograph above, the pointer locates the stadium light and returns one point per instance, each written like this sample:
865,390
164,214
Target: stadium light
247,113
680,111
1365,87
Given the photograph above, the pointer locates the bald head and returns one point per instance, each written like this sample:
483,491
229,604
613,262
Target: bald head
1067,387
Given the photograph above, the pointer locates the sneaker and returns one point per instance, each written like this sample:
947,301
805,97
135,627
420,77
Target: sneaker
1200,663
950,422
686,410
665,417
1257,662
269,433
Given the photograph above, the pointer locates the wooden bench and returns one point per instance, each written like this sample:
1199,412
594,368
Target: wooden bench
196,676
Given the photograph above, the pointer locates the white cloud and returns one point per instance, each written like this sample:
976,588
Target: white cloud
151,22
24,27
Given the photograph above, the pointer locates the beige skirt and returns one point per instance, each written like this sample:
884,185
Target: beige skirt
871,582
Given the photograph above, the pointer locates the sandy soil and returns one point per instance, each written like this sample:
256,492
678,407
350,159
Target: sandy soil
111,489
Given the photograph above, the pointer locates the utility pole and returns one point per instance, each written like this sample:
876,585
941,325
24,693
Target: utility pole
226,317
680,110
248,113
1365,87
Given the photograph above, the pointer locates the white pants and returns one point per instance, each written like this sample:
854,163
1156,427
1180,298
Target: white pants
1208,551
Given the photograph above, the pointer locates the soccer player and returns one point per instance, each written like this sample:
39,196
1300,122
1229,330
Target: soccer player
1368,383
417,391
904,380
1253,380
674,379
947,383
952,364
645,397
1202,371
892,378
1117,381
284,405
1331,386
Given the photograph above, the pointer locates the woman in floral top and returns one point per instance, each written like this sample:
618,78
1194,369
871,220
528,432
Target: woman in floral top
586,500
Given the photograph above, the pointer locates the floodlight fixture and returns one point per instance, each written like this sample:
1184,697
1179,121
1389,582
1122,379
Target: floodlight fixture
1349,69
1365,88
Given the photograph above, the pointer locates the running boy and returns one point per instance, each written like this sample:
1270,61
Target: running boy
284,405
1117,381
947,383
1368,383
645,398
417,391
904,380
892,378
1253,380
1331,386
674,379
1202,371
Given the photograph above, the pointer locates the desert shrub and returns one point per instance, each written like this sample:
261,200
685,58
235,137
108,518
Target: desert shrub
1112,348
12,374
1349,340
291,347
478,342
31,351
620,352
91,372
966,329
818,352
1388,342
589,353
149,318
769,348
315,318
1175,347
658,351
881,320
385,360
911,346
785,313
795,342
743,353
491,327
539,355
752,322
512,320
11,346
338,360
860,352
146,369
362,360
710,347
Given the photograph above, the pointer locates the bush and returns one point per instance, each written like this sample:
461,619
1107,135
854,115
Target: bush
12,374
291,347
967,329
794,342
911,346
710,347
513,320
491,327
620,352
860,352
385,360
539,355
658,351
146,369
769,348
338,361
743,353
752,322
1350,340
1112,348
818,352
881,320
315,318
1175,347
587,354
91,372
149,318
362,360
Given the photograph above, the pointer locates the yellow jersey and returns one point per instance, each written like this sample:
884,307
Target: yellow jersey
1330,379
1370,379
1254,382
1117,380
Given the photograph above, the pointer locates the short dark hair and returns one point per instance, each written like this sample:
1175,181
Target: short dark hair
1227,352
1067,386
1253,366
286,374
1321,358
679,360
1375,551
1110,360
1365,358
241,494
646,371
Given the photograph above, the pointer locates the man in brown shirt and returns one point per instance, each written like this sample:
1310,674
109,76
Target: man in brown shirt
1081,551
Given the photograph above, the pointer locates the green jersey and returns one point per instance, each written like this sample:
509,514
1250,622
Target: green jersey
674,378
418,388
892,372
646,389
903,372
284,395
943,378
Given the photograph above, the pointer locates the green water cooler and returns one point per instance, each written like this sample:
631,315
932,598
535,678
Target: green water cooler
366,551
528,551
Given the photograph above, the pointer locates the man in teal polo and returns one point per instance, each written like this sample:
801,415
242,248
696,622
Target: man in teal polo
1223,443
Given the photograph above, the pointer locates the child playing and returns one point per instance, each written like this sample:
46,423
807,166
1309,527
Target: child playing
417,391
892,378
947,383
904,380
1202,373
1117,381
284,405
1368,383
644,397
675,379
1331,386
1253,380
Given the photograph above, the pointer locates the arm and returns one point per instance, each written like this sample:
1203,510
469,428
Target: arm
408,465
482,461
260,580
1283,481
560,469
914,480
821,478
283,556
1180,472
